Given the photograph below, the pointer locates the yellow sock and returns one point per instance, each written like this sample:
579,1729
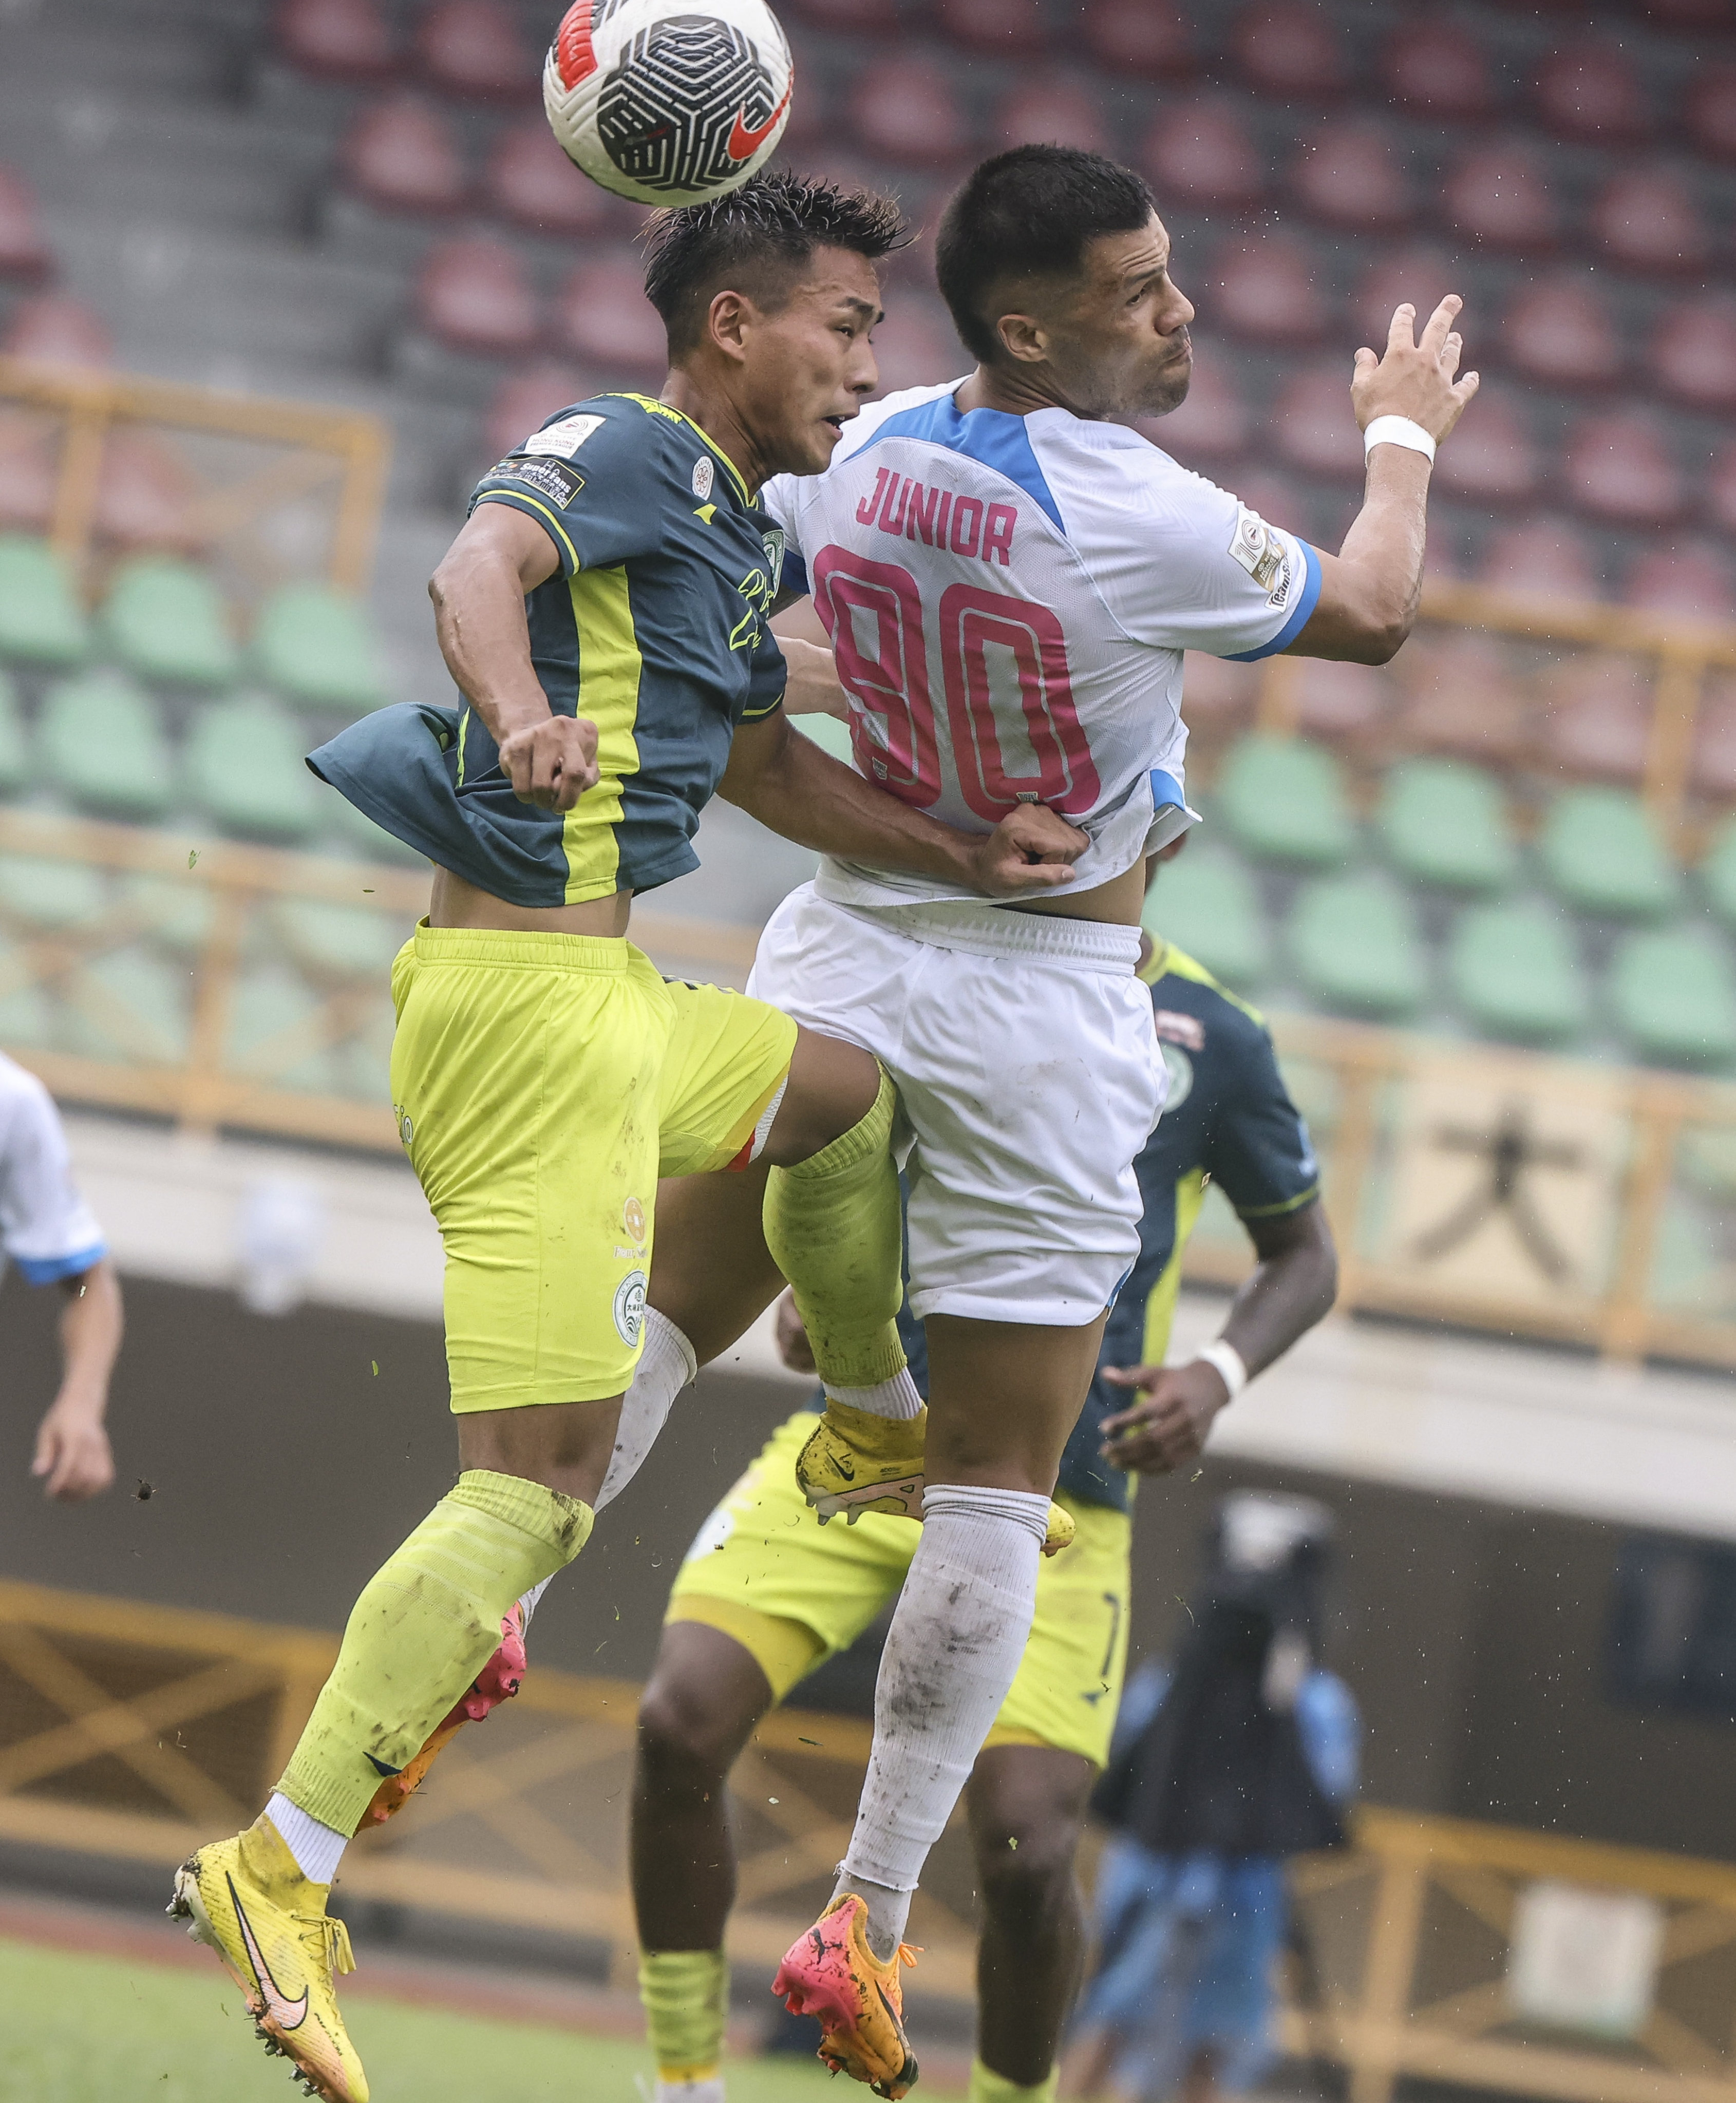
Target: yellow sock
834,1226
988,2087
427,1622
686,1997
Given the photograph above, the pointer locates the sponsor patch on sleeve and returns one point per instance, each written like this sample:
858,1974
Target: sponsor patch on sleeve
564,438
1257,548
551,478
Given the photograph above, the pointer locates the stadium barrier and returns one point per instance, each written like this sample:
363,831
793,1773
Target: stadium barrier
1433,1947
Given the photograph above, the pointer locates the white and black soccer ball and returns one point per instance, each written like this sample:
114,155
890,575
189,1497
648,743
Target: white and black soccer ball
669,104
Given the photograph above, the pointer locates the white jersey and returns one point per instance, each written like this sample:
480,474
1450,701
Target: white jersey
46,1227
1008,599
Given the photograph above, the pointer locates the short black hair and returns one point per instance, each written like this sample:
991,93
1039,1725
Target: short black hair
757,240
1032,208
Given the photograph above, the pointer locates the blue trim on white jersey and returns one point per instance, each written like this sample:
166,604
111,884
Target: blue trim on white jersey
1308,599
1166,789
46,1270
989,436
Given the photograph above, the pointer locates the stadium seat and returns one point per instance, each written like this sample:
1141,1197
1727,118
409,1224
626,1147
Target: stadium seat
1342,704
41,620
916,345
1718,490
1562,333
1711,109
277,1032
1440,70
1282,800
1717,875
165,620
1490,460
362,1063
601,315
475,296
529,180
1622,468
1672,992
1463,700
1316,427
861,17
317,646
526,400
1422,272
475,51
1355,945
1544,559
1714,764
1266,290
1595,94
101,743
52,897
401,156
1353,174
1691,579
1144,38
830,734
905,109
1291,50
1203,154
998,29
1211,424
1444,823
352,832
1218,697
131,1006
1207,903
177,914
15,771
341,40
28,472
244,766
1053,113
1596,718
1648,220
1499,194
52,328
148,497
1515,972
1602,854
1276,498
338,942
1693,353
25,258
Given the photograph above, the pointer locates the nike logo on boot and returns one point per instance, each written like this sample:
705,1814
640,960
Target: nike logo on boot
287,2014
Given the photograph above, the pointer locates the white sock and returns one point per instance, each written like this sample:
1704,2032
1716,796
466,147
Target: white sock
710,2090
895,1398
527,1601
317,1849
666,1366
967,1600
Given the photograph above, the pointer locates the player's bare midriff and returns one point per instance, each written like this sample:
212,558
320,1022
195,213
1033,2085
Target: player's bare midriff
457,904
1120,900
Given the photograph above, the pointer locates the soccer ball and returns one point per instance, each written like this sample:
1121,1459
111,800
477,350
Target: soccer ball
669,104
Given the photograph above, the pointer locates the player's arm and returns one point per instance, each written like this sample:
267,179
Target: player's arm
478,593
71,1442
1370,590
783,779
813,689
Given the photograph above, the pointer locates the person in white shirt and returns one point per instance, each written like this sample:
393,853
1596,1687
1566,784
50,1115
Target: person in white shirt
50,1235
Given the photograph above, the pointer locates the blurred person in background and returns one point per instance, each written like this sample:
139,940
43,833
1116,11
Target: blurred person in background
1241,1755
50,1235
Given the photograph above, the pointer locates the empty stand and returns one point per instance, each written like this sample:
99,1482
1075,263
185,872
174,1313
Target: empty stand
1266,290
1206,903
915,345
1282,800
41,622
15,766
1515,969
1055,113
1714,761
1423,273
476,295
1217,696
1622,468
526,400
905,109
1691,579
1710,112
315,646
1000,28
1500,194
869,17
1562,333
100,742
1462,701
1352,173
1357,947
25,258
1594,94
1491,459
166,621
1718,491
338,40
529,181
1212,424
474,50
1144,38
1717,875
53,328
1693,353
1603,855
29,473
1596,722
244,768
1342,704
1543,559
601,315
1673,993
401,155
1649,221
1443,825
1204,154
148,497
1440,70
1292,51
1316,427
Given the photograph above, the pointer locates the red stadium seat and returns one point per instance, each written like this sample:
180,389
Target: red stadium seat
347,40
473,50
1693,16
1622,468
1490,460
530,180
1054,113
1649,219
1543,559
1594,94
52,328
1690,578
1276,498
1211,424
865,17
1141,36
25,255
1218,698
1713,765
1002,29
1440,70
1423,275
1203,153
402,156
1562,332
1352,174
1693,353
148,498
1711,107
916,345
29,464
476,295
1265,289
1316,429
525,401
904,110
602,315
1462,701
1499,194
1290,50
1342,704
1596,721
1719,490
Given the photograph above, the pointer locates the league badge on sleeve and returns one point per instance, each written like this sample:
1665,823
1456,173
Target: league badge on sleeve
1256,548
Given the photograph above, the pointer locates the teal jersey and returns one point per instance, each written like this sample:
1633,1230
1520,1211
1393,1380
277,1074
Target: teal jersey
653,628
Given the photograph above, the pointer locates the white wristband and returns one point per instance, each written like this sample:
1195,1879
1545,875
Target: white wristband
1397,431
1227,1361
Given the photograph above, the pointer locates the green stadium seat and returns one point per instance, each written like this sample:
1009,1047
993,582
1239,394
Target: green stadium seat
1718,874
1603,855
360,835
165,620
1516,974
1688,1269
1444,823
1283,800
245,764
1706,1160
15,741
277,1032
51,896
362,1066
131,1005
177,914
28,1021
1674,995
41,619
1357,948
1207,903
102,741
828,733
335,941
316,645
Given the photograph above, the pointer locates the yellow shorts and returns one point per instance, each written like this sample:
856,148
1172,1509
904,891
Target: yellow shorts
542,1083
793,1593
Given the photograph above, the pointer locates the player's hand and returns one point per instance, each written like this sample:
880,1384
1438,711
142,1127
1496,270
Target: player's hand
1167,1428
812,687
73,1452
793,1345
1031,849
551,763
1413,379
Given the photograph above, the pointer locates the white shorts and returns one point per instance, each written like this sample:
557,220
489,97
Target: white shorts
1029,1075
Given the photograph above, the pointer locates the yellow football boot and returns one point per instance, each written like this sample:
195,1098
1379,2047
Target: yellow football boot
855,1462
831,1973
246,1899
